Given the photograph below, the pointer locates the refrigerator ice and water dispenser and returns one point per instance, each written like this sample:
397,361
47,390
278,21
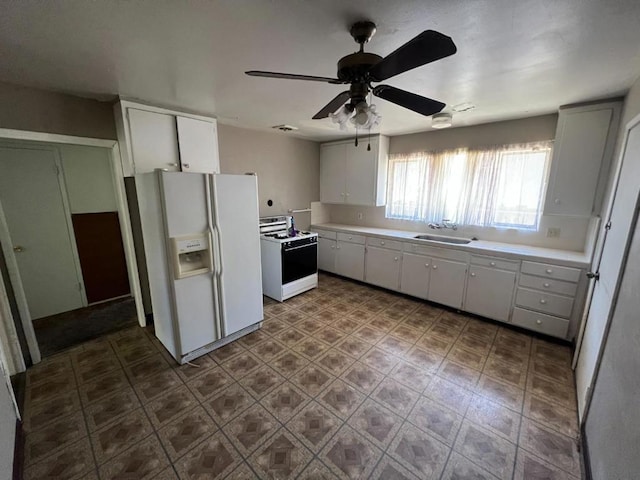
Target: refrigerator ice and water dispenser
191,255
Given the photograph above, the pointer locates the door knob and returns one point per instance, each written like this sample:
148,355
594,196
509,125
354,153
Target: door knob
594,275
18,249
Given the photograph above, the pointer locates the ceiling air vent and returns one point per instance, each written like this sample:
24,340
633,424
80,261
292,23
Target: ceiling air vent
285,128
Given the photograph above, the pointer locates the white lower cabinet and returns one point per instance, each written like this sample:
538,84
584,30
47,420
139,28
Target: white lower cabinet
327,254
414,280
446,283
490,292
350,260
383,267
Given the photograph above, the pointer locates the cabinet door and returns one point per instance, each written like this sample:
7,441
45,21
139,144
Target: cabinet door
490,292
360,174
446,284
154,141
198,143
350,260
577,160
327,254
383,267
414,279
332,185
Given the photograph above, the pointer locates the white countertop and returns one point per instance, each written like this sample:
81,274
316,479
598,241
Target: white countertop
483,247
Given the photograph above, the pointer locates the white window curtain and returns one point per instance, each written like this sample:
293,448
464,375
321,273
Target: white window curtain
493,186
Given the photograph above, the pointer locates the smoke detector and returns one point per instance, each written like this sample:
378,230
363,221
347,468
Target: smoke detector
285,128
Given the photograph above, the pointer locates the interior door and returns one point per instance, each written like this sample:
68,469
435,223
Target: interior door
609,264
39,228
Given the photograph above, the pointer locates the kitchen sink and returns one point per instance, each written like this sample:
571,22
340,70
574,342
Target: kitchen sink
440,238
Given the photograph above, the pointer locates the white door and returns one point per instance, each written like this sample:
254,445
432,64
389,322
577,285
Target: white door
198,143
415,275
446,285
39,229
332,185
490,292
360,174
326,254
613,246
154,141
350,260
383,267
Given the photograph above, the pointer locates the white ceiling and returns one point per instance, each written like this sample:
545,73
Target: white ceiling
515,58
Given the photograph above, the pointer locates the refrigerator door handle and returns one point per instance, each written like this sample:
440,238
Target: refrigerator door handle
214,258
218,248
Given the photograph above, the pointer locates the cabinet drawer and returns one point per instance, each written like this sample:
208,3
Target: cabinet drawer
493,262
540,322
449,254
351,237
544,302
384,243
326,234
548,285
567,274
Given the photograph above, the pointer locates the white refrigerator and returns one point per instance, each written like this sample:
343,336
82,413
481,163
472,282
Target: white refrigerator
202,248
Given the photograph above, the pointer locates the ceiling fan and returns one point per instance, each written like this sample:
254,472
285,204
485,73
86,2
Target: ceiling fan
361,69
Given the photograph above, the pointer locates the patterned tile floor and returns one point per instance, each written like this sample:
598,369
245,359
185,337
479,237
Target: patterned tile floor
346,381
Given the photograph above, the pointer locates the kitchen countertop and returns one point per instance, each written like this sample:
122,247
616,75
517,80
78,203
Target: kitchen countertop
506,250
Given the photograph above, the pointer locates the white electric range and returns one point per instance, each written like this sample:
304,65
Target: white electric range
289,258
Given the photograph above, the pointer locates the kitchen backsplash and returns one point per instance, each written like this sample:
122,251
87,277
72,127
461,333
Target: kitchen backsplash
575,232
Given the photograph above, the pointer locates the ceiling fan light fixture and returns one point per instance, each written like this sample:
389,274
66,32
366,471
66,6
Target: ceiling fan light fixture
441,120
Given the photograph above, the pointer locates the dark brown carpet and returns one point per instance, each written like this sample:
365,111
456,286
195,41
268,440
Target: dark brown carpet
65,330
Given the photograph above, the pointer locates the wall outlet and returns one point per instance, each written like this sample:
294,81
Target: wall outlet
553,232
360,216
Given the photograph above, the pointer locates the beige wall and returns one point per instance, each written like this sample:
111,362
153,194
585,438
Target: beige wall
288,168
23,108
573,230
499,133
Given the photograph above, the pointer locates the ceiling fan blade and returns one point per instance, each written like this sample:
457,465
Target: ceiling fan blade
427,47
417,103
333,105
292,76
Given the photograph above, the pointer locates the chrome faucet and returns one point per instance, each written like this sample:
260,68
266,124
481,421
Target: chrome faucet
446,223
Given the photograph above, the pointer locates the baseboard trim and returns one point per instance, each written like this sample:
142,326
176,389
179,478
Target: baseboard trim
18,452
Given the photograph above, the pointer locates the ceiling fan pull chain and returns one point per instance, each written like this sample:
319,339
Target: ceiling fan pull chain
356,136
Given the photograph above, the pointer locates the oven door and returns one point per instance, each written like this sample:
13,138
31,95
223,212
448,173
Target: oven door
299,260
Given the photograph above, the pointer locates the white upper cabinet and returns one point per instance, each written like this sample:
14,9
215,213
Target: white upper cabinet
198,142
354,175
153,141
332,165
154,138
584,144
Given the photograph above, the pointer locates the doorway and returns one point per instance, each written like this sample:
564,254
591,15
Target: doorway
61,223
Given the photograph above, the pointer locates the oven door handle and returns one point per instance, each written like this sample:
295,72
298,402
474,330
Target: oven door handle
288,249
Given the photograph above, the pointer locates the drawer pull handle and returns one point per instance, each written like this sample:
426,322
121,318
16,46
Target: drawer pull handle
538,322
185,165
350,238
395,259
426,265
549,271
333,246
473,274
493,264
543,301
381,243
546,285
435,267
